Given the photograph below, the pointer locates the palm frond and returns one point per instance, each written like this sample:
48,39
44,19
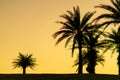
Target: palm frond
107,23
116,4
68,19
68,40
70,13
106,16
64,36
100,59
61,32
108,8
73,46
66,26
76,17
86,18
113,17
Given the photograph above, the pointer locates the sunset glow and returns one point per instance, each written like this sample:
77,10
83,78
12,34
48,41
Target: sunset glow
27,26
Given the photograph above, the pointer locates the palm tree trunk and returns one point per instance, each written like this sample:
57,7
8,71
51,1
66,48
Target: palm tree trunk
119,70
80,64
24,71
92,61
80,67
119,61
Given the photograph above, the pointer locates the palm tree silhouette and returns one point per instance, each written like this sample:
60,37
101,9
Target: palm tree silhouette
24,61
85,60
113,17
93,45
73,29
113,40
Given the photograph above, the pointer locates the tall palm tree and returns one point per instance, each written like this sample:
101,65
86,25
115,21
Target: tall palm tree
99,59
113,40
24,61
73,29
113,14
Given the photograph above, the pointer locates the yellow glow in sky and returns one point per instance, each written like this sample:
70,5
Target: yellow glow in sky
27,26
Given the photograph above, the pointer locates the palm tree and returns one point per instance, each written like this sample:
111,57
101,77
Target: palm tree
85,60
73,29
113,40
113,17
92,45
24,61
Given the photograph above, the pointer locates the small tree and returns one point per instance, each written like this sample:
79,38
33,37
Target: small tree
24,61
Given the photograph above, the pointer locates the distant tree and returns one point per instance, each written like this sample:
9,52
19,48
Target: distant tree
73,29
113,39
24,61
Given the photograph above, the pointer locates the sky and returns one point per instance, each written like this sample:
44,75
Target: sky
27,26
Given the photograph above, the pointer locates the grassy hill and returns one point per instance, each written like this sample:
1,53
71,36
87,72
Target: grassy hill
58,77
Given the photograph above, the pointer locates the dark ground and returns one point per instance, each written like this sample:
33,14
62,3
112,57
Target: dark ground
58,77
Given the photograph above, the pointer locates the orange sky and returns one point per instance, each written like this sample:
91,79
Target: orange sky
27,26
